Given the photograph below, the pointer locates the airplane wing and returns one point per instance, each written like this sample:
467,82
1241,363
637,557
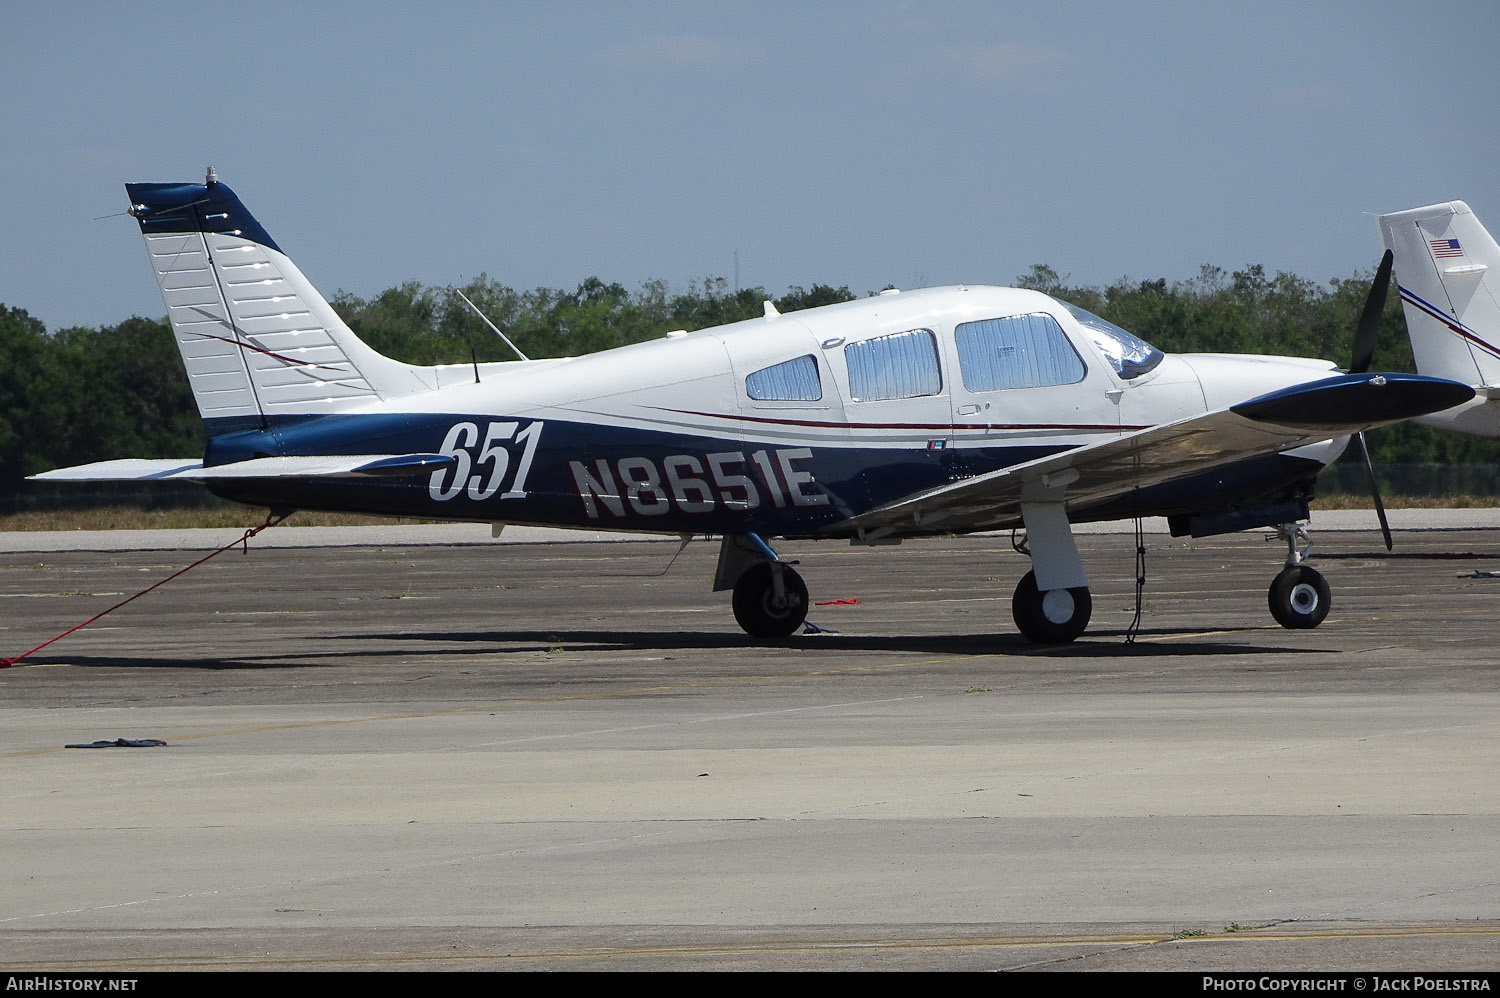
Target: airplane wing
187,470
1096,473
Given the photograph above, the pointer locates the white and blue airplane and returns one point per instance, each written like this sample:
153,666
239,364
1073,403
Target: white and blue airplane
1447,268
937,411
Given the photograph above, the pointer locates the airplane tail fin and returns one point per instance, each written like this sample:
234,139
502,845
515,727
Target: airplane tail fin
1447,268
257,338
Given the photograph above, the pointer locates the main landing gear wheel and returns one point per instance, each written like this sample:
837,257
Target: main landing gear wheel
1051,618
1299,597
758,609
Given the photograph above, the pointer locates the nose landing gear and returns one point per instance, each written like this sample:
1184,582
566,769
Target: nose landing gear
1299,595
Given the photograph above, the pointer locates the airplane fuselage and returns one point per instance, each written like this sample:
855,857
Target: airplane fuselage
683,435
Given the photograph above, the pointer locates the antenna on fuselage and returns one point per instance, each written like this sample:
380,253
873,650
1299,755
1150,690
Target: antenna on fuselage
487,322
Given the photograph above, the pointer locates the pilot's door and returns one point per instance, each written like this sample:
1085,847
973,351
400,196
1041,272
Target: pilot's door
1022,383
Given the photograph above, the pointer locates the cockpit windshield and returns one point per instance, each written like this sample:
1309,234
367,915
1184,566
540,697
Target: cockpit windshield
1130,355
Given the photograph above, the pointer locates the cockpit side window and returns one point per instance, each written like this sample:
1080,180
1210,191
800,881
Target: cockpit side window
792,381
898,366
1017,351
1130,355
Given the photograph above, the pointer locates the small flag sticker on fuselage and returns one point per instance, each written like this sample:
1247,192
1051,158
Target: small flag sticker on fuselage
1445,248
937,445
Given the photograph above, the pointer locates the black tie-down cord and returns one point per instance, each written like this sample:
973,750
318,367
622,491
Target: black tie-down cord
1140,581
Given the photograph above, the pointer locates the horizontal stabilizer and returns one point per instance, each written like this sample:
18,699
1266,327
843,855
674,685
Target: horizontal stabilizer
331,466
127,470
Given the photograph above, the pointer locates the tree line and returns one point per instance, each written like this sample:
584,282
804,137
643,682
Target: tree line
86,394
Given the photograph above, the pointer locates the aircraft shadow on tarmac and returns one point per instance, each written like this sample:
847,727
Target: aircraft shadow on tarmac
1098,644
1104,644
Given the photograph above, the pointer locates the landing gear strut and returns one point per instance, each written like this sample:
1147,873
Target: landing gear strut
1059,613
1299,596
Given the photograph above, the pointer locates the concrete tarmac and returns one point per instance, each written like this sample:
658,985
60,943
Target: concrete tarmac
566,756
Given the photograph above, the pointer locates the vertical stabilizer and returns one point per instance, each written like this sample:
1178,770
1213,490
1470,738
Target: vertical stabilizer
257,338
1446,269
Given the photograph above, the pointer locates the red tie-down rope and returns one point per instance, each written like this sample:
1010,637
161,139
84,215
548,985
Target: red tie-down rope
244,541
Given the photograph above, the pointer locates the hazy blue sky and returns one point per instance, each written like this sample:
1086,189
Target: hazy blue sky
844,143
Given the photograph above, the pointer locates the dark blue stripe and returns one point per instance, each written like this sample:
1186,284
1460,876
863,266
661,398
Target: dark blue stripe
851,480
1458,327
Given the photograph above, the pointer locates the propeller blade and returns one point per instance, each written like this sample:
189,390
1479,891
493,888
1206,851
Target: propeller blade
1368,330
1385,526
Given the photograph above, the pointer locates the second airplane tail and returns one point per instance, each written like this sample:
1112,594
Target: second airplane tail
1446,266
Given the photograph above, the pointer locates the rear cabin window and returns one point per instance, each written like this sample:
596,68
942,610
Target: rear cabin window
899,366
1018,351
794,381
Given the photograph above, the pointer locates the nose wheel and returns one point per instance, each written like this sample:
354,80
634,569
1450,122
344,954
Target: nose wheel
1299,597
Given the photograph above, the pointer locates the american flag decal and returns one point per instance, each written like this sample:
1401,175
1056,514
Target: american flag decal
1445,248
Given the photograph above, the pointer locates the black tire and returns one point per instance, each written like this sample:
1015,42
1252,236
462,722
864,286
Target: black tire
1053,618
756,608
1299,597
